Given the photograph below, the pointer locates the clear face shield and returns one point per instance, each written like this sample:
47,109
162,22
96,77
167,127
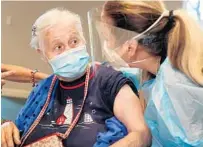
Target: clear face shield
108,43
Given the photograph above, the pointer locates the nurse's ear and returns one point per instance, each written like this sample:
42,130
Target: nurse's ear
128,50
42,55
132,48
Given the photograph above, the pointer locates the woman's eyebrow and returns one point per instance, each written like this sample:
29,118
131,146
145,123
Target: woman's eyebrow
66,34
74,33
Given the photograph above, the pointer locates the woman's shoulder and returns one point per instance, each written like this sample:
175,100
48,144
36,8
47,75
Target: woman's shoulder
105,71
107,77
104,76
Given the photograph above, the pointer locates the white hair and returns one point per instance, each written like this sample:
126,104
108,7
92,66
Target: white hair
49,18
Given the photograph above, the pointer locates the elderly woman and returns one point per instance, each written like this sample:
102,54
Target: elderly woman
71,106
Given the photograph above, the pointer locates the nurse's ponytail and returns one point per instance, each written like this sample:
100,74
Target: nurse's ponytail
185,46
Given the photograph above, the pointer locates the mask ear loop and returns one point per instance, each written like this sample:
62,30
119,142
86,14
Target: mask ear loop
139,61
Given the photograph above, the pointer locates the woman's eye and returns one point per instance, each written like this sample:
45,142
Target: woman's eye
73,42
59,48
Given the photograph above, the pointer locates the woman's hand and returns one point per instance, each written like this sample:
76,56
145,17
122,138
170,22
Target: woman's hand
9,135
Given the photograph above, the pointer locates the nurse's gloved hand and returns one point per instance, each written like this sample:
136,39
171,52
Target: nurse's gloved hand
9,135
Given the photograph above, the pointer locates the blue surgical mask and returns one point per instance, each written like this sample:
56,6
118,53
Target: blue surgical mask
71,64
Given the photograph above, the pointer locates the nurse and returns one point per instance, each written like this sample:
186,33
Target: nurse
166,47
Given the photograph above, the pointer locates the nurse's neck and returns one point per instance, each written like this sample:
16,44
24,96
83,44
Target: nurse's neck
153,64
149,62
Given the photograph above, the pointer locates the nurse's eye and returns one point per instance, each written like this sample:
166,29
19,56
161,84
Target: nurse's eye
73,42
